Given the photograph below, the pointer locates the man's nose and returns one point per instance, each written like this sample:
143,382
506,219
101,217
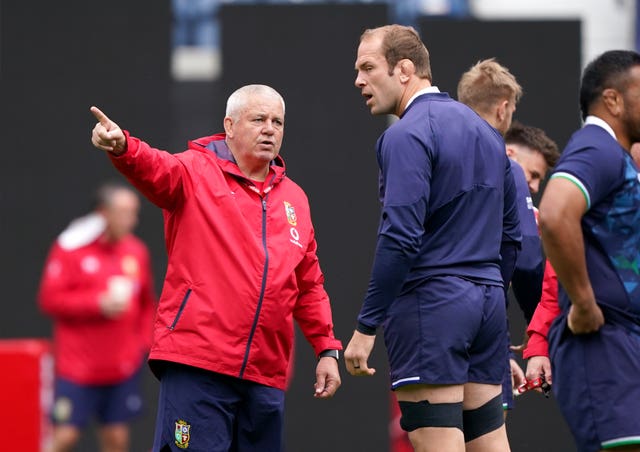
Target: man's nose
534,186
268,126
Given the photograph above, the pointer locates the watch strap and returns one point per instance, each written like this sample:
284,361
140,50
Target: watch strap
329,354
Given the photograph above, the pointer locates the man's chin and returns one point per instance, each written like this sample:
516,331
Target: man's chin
266,156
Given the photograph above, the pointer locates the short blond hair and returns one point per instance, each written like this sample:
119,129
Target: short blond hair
485,84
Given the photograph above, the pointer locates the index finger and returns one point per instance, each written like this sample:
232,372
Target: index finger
101,117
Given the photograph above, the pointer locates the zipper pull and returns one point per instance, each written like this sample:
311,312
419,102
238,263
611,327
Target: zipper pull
264,205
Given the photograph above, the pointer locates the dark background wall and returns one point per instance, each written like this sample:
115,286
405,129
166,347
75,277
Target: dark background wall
544,56
58,58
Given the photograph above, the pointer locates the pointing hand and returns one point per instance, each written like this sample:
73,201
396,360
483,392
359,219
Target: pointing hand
106,134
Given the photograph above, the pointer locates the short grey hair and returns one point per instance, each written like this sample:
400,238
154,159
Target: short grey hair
238,99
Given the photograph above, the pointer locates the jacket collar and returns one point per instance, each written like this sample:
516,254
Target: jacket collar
217,145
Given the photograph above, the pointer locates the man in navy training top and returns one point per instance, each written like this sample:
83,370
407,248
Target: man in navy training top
493,92
590,222
436,283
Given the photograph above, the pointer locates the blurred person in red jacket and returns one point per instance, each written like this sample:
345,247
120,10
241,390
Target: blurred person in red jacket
242,266
97,287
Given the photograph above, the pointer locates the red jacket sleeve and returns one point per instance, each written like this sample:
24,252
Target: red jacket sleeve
313,310
545,313
157,174
60,294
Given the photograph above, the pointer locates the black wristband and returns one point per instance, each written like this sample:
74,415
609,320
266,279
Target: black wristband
364,329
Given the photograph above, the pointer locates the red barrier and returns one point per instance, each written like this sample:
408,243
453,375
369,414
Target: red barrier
26,380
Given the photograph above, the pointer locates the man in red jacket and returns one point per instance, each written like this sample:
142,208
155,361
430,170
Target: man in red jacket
98,289
242,265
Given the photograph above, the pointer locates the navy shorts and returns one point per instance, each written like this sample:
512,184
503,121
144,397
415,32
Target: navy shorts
596,382
76,404
203,411
447,331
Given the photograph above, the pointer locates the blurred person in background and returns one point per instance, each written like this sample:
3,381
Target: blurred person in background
536,153
533,150
493,92
97,288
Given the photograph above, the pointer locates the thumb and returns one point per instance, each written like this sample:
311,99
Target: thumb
320,383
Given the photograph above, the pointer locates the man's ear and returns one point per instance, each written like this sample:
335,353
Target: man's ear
501,110
228,126
613,101
407,69
511,152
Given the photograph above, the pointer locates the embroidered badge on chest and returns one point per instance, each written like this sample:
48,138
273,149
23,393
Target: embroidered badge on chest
293,221
291,214
182,434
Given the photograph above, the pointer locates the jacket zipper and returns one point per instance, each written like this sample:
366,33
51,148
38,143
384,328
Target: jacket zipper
262,288
182,305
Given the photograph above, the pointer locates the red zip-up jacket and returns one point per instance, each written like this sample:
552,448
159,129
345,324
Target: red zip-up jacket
242,262
545,313
89,347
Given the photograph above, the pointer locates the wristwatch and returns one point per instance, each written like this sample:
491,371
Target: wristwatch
330,353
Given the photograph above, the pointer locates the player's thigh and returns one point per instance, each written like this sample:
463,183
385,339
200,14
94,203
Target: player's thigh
260,419
74,404
432,393
596,385
488,353
477,394
428,332
121,402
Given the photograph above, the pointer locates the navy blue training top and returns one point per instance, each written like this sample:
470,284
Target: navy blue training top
443,178
526,281
610,182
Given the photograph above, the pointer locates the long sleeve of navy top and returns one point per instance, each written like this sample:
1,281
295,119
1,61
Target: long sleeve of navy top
443,192
511,232
526,281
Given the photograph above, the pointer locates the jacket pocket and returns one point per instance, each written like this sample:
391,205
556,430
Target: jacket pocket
180,309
